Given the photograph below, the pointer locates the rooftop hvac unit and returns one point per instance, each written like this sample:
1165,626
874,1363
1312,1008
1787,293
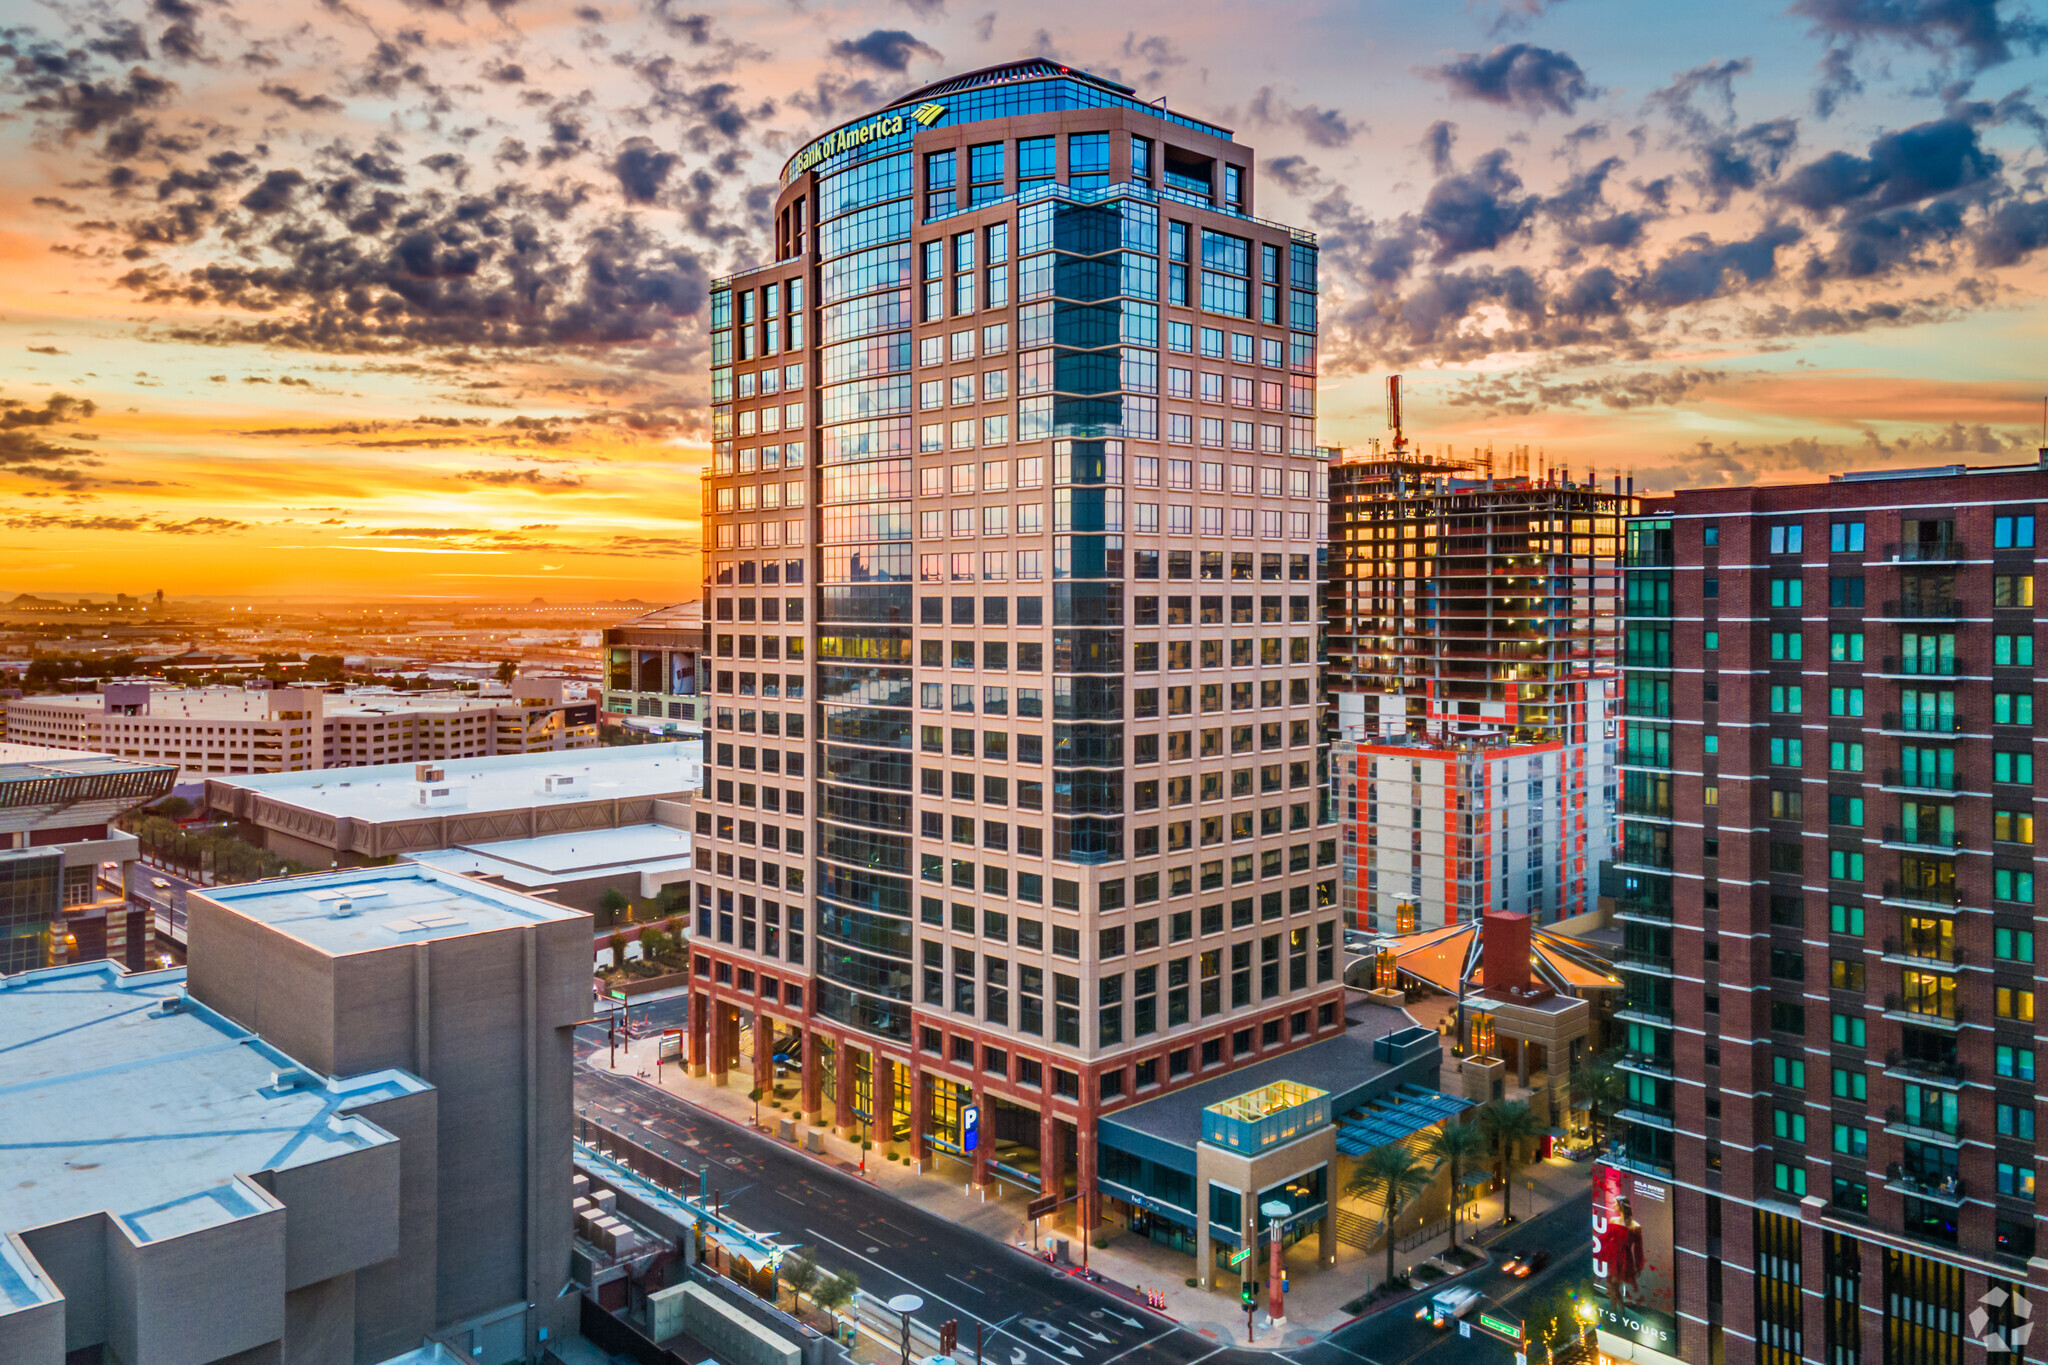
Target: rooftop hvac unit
563,784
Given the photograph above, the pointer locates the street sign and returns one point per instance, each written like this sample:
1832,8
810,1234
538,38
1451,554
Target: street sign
1506,1329
1239,1256
970,1127
615,994
1038,1208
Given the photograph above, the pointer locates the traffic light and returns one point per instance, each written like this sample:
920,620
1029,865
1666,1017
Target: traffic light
1248,1294
949,1336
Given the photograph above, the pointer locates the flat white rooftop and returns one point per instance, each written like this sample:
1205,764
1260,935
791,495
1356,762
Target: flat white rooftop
237,703
388,791
570,857
364,909
109,1104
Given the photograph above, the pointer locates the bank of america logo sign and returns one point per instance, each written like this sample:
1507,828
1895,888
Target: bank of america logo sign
2000,1340
927,114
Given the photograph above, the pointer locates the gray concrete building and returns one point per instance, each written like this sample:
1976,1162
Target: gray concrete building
364,815
343,1133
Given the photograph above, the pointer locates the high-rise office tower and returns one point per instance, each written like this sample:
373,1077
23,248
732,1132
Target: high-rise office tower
1829,871
1471,676
1013,535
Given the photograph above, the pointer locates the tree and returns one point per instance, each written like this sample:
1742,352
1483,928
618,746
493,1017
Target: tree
617,943
1456,1145
172,808
834,1292
800,1273
1604,1086
1392,1175
613,901
507,670
1507,1125
653,941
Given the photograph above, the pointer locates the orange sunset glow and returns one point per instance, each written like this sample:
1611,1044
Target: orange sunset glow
394,300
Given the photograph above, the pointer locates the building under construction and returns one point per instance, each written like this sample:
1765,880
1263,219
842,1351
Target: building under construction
1471,671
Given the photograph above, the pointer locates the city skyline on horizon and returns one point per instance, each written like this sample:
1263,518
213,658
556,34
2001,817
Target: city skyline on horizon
413,301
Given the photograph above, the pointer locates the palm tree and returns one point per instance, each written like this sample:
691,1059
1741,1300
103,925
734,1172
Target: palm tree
1456,1145
1605,1088
1392,1175
1506,1125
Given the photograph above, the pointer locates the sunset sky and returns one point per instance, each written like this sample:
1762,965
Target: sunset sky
406,298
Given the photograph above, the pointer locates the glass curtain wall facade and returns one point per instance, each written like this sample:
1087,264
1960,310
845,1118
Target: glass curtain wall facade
1024,407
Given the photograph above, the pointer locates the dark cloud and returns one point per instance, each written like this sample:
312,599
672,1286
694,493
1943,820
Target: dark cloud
1905,167
45,350
274,192
1521,394
201,526
503,72
2014,231
1745,160
641,168
1294,173
1322,127
305,104
1519,76
521,478
1437,141
1713,83
121,41
1478,210
1973,30
925,9
1702,268
885,49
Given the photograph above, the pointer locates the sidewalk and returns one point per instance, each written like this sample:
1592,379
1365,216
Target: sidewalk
1319,1300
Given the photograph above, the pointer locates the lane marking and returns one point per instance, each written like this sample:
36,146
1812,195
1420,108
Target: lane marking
1143,1344
998,1328
957,1280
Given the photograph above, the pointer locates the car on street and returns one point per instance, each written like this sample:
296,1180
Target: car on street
1448,1306
1527,1264
159,883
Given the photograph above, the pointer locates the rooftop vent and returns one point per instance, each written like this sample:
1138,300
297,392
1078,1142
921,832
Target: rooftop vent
564,784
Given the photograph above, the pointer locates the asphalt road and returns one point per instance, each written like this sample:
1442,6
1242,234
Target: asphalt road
1030,1313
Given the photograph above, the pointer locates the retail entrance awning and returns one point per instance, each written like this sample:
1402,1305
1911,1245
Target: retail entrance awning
1398,1116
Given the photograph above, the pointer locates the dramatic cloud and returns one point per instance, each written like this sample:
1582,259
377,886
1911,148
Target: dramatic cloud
1901,168
1973,29
1520,76
885,49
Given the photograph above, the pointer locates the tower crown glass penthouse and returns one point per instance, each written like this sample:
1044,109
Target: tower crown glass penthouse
1013,534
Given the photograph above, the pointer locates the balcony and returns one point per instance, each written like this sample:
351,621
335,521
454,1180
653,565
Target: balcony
1895,1010
1946,1189
1920,1127
1910,724
1925,552
1945,1073
1926,611
1640,911
1939,840
1658,1016
1646,1063
1909,954
1895,780
1893,665
1935,897
1642,960
1649,1118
